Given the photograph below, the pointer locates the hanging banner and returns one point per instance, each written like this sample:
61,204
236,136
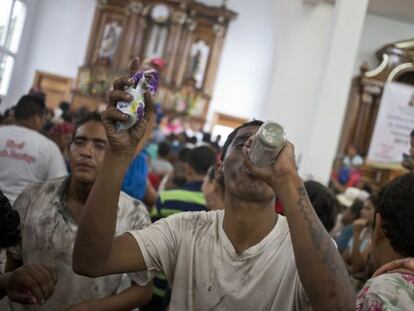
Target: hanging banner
394,124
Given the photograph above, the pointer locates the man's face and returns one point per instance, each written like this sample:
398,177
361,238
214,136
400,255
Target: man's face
87,151
236,180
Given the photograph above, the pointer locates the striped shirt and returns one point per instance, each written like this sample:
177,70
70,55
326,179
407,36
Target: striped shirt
188,198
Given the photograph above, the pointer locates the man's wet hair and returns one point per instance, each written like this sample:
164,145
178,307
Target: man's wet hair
233,134
88,117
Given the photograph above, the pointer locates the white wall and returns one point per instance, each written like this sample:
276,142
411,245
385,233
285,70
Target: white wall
303,33
379,31
55,42
245,71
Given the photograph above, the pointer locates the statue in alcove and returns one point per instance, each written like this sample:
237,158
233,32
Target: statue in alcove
109,44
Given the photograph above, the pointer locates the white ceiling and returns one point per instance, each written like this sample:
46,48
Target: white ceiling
402,10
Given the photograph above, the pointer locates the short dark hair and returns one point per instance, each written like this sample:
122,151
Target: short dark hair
201,158
323,202
412,133
164,149
233,134
85,118
29,106
395,205
357,207
9,224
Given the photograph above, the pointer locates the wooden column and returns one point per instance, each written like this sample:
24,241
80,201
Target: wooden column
220,31
132,10
183,54
174,38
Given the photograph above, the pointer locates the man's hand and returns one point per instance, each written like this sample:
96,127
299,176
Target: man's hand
359,225
277,174
125,141
32,284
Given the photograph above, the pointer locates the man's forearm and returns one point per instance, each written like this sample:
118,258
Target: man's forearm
320,267
98,222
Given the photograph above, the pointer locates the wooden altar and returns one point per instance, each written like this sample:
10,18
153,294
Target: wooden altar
396,64
188,35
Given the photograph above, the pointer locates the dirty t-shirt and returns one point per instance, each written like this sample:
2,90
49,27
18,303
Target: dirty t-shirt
206,273
48,235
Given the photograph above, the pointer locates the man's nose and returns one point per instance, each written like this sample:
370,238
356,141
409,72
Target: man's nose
87,149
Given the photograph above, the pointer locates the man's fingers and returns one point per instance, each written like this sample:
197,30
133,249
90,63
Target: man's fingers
117,95
134,65
30,284
121,83
41,280
114,116
23,298
48,273
149,106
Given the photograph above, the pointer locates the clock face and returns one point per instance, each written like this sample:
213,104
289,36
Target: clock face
160,13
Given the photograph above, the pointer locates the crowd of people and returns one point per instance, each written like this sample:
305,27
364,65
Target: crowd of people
92,218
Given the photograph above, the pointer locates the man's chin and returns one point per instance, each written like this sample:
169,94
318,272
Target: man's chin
84,177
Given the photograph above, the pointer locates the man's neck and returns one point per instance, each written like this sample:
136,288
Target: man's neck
76,195
246,223
26,124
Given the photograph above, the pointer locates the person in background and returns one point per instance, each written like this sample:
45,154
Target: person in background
26,156
357,256
392,285
408,159
212,190
345,200
162,166
61,134
177,178
136,181
350,214
219,259
323,202
50,214
8,117
349,173
30,284
189,197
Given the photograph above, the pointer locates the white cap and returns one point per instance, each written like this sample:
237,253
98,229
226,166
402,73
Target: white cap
350,195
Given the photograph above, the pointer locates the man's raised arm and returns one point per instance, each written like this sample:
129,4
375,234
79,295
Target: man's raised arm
97,252
320,267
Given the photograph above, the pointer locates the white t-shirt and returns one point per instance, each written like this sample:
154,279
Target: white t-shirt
27,157
206,273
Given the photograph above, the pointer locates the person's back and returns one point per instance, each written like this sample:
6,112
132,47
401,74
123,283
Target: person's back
392,285
27,156
189,197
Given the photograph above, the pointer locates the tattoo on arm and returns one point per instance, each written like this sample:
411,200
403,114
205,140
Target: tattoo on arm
321,240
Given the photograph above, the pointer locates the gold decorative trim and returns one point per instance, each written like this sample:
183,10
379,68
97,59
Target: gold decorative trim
380,68
399,69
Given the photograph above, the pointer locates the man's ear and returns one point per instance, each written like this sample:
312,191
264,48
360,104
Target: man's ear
378,233
219,167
